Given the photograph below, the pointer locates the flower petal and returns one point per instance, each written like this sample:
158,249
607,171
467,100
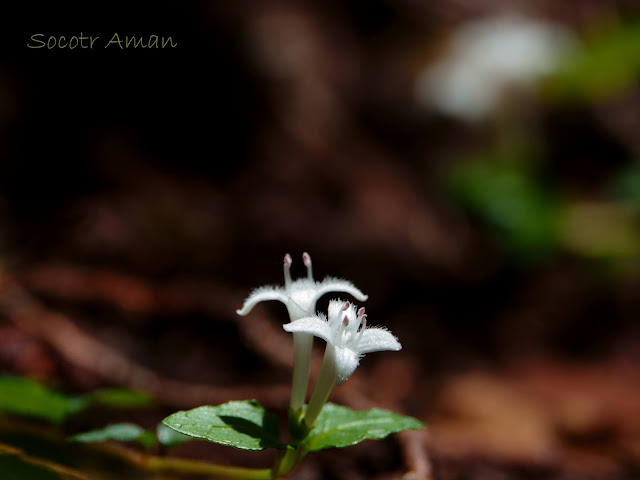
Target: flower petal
314,325
330,284
376,340
346,361
302,292
262,294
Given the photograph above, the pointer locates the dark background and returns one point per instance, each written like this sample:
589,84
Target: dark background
144,193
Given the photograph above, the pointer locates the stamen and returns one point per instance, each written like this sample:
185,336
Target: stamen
345,321
346,306
361,312
306,258
363,325
287,270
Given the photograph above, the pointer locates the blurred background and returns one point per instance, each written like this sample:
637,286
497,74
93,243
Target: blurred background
473,166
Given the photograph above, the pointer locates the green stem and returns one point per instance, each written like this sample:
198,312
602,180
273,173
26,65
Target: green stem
288,461
182,465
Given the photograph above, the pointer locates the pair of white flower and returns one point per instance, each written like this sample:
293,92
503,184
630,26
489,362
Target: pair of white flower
345,331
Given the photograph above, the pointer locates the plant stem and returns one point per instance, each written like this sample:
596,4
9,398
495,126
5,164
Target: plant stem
288,461
182,465
160,464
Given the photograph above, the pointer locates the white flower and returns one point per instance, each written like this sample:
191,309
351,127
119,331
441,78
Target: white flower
347,336
300,297
348,339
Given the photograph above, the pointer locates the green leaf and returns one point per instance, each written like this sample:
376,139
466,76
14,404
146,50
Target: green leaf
24,397
241,424
123,432
339,426
119,398
169,437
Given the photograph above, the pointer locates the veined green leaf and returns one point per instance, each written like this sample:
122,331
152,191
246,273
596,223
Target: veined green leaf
240,424
339,426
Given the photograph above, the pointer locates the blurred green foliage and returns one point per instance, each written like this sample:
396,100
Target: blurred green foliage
24,397
607,63
603,230
118,398
505,196
130,432
532,221
123,432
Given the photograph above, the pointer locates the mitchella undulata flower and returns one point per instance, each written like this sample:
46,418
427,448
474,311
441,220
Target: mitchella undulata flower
348,339
300,297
